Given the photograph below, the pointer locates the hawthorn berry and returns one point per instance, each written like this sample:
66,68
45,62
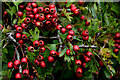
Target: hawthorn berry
58,27
85,33
16,25
54,20
27,20
77,12
34,4
49,17
30,49
78,72
36,62
10,65
116,51
117,35
46,10
36,43
53,53
16,67
76,48
84,65
89,54
5,12
41,17
117,40
21,6
31,77
78,75
54,15
63,30
69,26
78,62
20,14
24,60
24,36
1,27
38,24
28,8
87,23
18,29
20,41
37,16
50,59
52,10
73,8
42,49
68,52
82,18
118,46
41,43
40,9
25,72
29,4
81,2
16,63
87,59
24,26
71,32
85,38
48,23
18,35
42,64
31,16
18,76
51,6
69,38
101,63
40,58
72,5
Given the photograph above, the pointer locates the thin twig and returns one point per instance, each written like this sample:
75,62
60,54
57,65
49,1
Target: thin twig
85,46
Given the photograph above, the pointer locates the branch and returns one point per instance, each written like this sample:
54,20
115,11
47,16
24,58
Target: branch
66,10
85,46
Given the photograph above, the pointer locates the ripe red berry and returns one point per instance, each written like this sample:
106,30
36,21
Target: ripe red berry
118,46
20,41
117,40
41,17
54,20
53,53
69,38
40,9
38,24
117,35
18,29
31,16
78,75
68,52
58,27
29,4
10,65
78,62
85,33
89,54
21,6
87,59
17,63
5,12
77,12
1,27
42,64
36,62
18,76
52,10
72,5
82,18
71,32
24,60
36,43
79,71
41,43
24,36
87,23
30,49
27,20
42,49
116,51
84,65
101,63
69,26
16,67
81,2
76,48
50,59
18,35
46,10
24,26
20,14
48,23
54,15
63,30
51,6
31,77
73,8
25,72
40,58
34,4
15,25
85,38
36,16
28,8
49,17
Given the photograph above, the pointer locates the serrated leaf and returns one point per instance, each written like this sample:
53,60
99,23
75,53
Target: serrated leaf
52,46
16,4
14,21
20,21
63,36
67,58
4,50
27,34
63,52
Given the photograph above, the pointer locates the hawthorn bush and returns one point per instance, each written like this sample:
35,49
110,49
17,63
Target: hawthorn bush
60,40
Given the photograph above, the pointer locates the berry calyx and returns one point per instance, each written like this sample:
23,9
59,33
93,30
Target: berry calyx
18,29
53,53
42,49
24,26
27,20
41,43
24,36
36,43
25,72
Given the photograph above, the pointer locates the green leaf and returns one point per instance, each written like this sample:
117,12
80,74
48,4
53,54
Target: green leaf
20,21
107,74
4,50
63,52
14,21
16,4
63,36
27,34
52,46
68,4
67,58
119,57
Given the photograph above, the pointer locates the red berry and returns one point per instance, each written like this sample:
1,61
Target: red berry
16,63
31,77
38,24
78,71
41,9
24,26
25,72
36,16
85,38
78,62
41,43
71,32
54,15
34,4
117,35
1,27
21,6
24,60
27,20
72,5
51,6
15,67
31,16
20,41
85,33
101,63
78,75
30,49
69,38
36,43
28,8
118,47
53,53
10,65
40,58
24,36
89,54
20,14
73,8
116,51
68,52
58,27
87,23
117,40
48,23
5,12
18,76
42,49
50,59
69,26
16,26
77,12
82,18
52,10
41,17
29,4
42,64
46,10
76,48
81,2
18,29
84,65
87,59
54,20
63,30
49,17
36,62
18,35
